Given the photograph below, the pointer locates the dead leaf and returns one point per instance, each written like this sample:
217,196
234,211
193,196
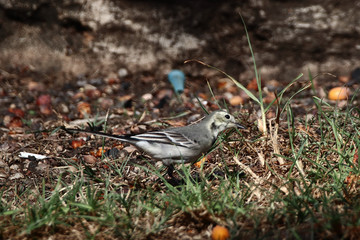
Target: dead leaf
77,143
252,85
84,109
200,162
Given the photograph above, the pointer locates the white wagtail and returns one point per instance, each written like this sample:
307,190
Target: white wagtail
178,145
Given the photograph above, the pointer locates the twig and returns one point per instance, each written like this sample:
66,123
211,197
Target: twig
274,139
248,170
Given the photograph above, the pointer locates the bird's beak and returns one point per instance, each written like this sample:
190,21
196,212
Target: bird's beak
239,126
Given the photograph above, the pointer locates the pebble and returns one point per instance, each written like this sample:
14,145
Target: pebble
122,72
59,148
147,96
16,176
106,103
90,159
14,167
35,86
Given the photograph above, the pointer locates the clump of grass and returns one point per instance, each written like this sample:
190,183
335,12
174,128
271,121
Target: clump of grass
321,202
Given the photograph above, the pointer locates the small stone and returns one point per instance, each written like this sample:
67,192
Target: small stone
129,149
7,120
35,86
16,176
64,108
89,159
147,96
14,167
228,95
309,117
122,72
106,103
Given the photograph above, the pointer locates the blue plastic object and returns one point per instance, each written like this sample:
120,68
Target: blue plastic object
177,80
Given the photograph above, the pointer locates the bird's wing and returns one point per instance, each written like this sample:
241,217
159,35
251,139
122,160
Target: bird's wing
166,137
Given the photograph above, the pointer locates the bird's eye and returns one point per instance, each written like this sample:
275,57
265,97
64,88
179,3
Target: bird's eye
227,116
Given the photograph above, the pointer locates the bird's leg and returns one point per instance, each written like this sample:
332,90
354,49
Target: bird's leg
170,171
173,180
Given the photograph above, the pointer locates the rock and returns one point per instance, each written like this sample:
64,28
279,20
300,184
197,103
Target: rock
89,159
147,97
34,86
122,72
16,176
106,103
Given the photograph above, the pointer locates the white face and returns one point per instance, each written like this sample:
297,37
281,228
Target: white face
225,119
221,120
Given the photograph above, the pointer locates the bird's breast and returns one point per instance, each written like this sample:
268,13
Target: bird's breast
167,151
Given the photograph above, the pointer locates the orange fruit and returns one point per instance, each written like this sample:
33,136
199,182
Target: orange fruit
339,93
220,233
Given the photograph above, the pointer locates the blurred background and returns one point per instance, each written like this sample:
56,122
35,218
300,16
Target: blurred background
98,37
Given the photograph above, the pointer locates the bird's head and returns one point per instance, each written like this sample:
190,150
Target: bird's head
220,121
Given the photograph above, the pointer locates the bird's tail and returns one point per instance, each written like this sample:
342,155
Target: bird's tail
123,138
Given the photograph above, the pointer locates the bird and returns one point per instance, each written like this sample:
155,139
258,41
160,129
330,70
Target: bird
177,144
